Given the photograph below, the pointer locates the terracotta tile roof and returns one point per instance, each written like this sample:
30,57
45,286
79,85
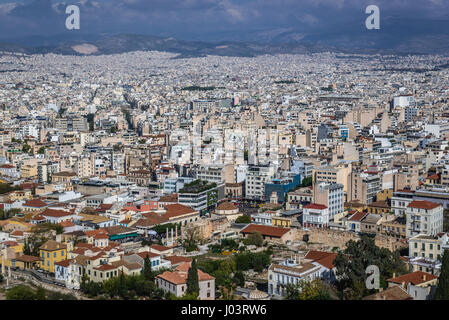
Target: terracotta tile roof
423,204
358,216
10,243
179,275
18,233
66,224
27,258
392,293
35,203
55,213
52,245
118,229
159,247
106,267
315,206
379,204
143,255
169,198
64,263
175,260
226,206
414,278
174,210
326,259
154,218
270,231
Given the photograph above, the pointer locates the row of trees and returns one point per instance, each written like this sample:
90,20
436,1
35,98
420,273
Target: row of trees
125,287
23,292
8,214
6,187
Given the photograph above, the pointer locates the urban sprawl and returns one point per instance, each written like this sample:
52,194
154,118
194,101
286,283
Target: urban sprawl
146,176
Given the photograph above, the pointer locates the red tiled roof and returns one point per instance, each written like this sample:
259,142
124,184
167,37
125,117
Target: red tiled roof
177,259
315,206
27,258
326,259
358,216
159,247
414,278
270,231
143,255
36,203
174,210
64,263
423,204
56,213
105,267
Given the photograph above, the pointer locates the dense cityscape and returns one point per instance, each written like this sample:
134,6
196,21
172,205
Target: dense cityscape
149,176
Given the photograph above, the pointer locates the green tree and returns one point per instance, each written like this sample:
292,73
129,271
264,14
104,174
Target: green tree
193,286
307,290
26,148
306,182
20,292
40,294
41,150
255,238
239,278
243,219
148,273
442,291
352,262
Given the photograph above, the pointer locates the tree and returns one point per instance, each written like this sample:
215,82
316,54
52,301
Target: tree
352,262
193,286
307,290
26,148
239,278
243,219
41,150
20,292
147,272
255,238
192,237
26,248
442,291
306,182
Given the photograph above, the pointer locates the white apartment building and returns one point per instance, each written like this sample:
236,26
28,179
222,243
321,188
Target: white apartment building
330,195
256,177
424,217
315,215
290,272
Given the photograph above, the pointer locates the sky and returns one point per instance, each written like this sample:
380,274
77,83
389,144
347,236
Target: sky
210,19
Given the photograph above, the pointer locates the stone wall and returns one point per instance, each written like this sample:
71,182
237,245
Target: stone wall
335,238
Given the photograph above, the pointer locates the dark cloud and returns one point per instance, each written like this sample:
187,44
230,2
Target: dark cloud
208,19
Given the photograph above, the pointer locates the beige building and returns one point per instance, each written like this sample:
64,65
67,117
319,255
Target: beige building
333,174
175,282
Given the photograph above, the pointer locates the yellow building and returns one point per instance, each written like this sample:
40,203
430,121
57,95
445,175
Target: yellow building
28,171
385,195
50,253
281,222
